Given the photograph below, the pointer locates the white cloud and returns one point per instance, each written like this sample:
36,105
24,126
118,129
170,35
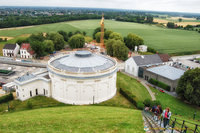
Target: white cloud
155,5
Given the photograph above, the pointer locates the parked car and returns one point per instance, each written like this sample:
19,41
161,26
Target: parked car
162,91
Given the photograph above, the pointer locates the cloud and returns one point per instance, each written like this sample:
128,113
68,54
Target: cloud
155,5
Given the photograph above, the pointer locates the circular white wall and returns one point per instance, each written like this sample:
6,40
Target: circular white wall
83,91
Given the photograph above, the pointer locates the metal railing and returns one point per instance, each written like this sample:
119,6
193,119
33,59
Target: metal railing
179,125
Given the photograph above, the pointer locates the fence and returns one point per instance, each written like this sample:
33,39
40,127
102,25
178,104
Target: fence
179,125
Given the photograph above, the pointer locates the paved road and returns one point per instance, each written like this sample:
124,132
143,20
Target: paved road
143,82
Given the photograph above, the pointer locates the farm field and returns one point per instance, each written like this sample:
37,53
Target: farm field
162,39
74,119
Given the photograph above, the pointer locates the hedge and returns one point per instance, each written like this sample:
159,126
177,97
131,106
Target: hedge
128,95
159,84
6,98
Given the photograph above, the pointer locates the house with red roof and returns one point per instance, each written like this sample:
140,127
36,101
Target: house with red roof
26,51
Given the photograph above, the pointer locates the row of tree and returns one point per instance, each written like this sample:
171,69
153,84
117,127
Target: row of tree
26,20
187,27
45,44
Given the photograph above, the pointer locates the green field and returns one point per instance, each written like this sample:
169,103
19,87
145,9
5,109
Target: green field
84,119
162,39
137,89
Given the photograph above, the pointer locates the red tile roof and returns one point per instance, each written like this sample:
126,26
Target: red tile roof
165,57
27,46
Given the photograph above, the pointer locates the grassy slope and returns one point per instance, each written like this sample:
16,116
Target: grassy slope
162,39
177,106
73,119
136,88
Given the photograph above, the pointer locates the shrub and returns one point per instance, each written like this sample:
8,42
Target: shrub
6,98
147,102
159,84
140,105
149,49
29,105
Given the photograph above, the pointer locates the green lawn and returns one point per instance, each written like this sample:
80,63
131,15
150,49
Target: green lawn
162,39
84,119
124,81
178,108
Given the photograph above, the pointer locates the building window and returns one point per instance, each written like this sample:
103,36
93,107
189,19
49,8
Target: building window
36,91
133,69
30,93
44,92
17,94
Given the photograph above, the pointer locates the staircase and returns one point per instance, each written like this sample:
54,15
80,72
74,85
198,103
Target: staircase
153,126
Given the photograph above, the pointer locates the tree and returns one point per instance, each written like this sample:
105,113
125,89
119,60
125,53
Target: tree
180,20
77,41
58,40
22,40
109,47
49,46
98,37
120,50
170,25
117,49
189,86
133,40
84,33
97,30
64,34
37,37
116,36
107,34
149,19
70,34
39,48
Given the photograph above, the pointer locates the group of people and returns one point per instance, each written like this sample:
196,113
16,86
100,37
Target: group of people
158,113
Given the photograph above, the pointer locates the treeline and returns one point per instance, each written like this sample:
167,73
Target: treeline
187,27
24,20
136,19
16,21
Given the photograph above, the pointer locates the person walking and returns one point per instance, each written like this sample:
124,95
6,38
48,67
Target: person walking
166,117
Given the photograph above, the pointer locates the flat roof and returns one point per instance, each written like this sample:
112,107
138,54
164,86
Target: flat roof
167,72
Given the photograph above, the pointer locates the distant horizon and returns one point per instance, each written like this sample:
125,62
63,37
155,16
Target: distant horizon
108,9
183,6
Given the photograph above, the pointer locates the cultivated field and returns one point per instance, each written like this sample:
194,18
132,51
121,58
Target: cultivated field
185,21
82,119
162,39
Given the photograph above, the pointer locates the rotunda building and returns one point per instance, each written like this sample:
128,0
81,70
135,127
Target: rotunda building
82,78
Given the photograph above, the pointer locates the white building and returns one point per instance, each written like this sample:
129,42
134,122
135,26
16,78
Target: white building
142,48
78,78
25,51
11,50
133,63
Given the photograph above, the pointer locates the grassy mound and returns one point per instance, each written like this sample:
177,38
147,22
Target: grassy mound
73,119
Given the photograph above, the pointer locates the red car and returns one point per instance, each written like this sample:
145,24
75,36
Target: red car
162,91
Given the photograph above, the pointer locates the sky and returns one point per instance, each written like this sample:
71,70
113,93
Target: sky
152,5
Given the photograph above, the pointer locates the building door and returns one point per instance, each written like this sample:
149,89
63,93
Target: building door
44,92
30,93
36,92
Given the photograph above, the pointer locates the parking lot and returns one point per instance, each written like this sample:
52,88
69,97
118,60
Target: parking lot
19,71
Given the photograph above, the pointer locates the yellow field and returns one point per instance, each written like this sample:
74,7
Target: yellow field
165,21
8,38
